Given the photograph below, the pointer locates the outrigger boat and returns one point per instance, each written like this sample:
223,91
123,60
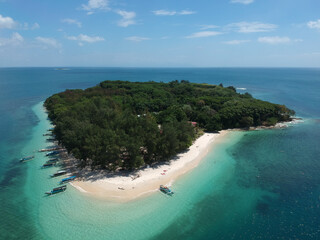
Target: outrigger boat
50,149
52,153
68,179
46,165
166,190
26,159
53,160
59,173
57,190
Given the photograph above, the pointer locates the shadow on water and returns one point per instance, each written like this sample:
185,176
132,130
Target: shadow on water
16,221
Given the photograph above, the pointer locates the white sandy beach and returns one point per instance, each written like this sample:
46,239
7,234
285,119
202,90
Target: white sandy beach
126,188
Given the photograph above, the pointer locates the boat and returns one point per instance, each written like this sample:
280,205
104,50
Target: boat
46,165
51,129
166,190
51,139
50,149
24,159
57,190
53,160
47,134
52,153
59,173
68,179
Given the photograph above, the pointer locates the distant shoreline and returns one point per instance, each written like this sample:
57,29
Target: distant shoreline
103,185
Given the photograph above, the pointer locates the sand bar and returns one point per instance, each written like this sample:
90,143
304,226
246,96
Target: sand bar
123,188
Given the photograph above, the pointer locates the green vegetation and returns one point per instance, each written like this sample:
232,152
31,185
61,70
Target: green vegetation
126,125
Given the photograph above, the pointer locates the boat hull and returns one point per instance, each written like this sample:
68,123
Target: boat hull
57,190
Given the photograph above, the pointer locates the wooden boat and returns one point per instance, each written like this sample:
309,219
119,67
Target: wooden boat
68,179
50,149
52,153
59,173
57,190
53,160
166,190
46,165
24,159
47,134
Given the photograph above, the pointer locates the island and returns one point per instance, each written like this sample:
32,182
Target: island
119,128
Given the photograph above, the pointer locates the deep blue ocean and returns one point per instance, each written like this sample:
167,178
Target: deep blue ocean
264,184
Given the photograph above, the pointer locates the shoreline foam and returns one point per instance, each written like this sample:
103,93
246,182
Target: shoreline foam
104,185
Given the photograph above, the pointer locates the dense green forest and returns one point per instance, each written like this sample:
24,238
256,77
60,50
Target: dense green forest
126,125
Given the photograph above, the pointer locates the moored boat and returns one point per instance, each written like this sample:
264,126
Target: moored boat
59,173
24,159
53,160
68,179
50,149
46,165
166,190
52,153
57,190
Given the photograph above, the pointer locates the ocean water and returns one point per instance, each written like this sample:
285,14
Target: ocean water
252,185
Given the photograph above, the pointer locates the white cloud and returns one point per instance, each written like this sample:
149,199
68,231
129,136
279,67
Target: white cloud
137,39
48,42
274,40
186,12
85,38
172,13
204,34
164,13
15,39
26,26
242,1
35,26
93,5
128,18
72,21
7,22
236,42
204,27
314,24
252,27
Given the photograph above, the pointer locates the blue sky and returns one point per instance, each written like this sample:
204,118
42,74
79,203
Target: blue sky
160,33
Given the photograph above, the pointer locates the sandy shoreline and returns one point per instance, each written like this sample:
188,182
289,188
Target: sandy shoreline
126,188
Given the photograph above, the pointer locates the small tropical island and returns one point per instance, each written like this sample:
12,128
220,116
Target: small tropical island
126,126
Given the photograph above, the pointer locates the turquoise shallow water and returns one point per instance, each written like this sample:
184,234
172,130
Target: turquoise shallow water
117,221
254,185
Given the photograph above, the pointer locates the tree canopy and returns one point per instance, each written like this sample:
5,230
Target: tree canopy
121,124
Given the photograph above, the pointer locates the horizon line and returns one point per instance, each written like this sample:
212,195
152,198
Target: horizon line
155,67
